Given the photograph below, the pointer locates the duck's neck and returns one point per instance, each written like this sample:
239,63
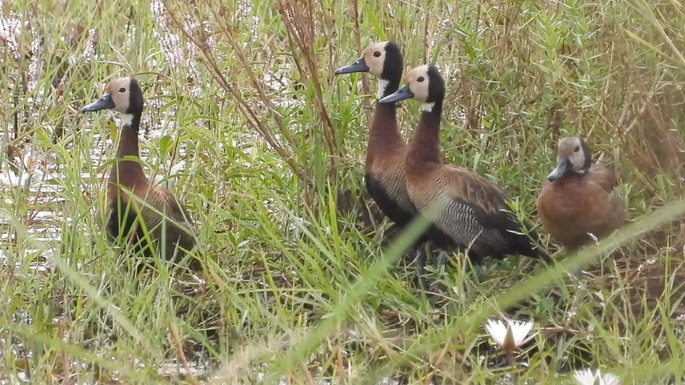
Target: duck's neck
384,129
127,169
576,174
425,144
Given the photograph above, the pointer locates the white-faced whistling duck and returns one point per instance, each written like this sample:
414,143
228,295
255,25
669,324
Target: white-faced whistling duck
136,206
579,197
475,211
384,170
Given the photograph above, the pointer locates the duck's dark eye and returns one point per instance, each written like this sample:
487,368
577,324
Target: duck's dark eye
576,149
377,53
420,79
122,89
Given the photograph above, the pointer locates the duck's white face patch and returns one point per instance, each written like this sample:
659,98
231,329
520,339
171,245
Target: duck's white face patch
572,149
418,82
374,56
120,89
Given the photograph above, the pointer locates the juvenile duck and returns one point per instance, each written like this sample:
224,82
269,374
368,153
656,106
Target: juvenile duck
579,197
475,210
384,170
136,206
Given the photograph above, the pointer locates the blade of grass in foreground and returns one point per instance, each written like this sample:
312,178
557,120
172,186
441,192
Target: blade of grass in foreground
375,273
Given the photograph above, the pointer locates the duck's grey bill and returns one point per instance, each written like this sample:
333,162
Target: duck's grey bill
401,94
358,66
558,171
104,103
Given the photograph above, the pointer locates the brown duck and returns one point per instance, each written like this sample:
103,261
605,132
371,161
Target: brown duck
141,214
579,198
474,210
384,174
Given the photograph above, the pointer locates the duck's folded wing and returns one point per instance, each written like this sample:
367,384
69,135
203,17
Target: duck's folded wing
476,207
603,177
161,204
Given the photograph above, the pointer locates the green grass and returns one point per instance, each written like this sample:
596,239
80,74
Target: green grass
298,283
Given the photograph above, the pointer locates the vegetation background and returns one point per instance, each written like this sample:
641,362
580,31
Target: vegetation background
245,120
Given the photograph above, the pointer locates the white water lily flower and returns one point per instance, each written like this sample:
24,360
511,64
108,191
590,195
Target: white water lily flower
587,377
510,336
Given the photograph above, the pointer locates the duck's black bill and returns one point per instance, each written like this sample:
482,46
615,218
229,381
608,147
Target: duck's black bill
558,171
358,66
104,103
401,94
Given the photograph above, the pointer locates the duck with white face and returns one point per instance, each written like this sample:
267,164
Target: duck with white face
471,210
139,210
